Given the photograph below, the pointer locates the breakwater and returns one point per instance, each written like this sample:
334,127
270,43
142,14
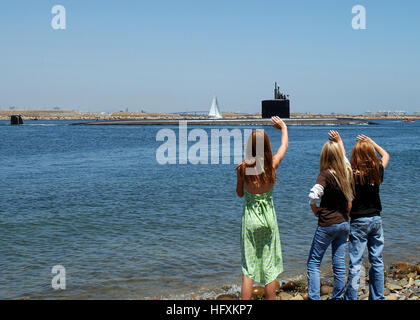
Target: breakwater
259,122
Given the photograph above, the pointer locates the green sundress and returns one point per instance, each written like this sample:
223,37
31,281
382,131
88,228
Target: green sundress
260,240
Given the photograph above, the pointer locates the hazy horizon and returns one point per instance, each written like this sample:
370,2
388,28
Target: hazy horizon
165,56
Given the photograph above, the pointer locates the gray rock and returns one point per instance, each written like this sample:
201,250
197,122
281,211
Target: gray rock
391,281
364,297
403,282
410,283
326,290
297,297
393,287
392,296
227,297
285,296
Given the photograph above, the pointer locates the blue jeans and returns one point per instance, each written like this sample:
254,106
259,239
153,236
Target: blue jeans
324,236
366,231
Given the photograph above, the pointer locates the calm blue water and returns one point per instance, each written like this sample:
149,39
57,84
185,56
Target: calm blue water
95,200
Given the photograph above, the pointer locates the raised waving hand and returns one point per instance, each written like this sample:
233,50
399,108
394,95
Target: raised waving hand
279,124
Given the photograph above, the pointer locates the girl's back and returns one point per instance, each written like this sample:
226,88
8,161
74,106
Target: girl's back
333,207
368,176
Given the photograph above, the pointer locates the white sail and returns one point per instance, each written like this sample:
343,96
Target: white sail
214,109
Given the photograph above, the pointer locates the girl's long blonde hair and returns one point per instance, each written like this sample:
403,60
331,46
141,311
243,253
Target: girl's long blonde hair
264,165
332,159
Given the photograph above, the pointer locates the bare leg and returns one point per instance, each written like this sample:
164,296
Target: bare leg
246,288
270,291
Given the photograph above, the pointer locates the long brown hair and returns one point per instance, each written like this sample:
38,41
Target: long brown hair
365,164
268,173
332,159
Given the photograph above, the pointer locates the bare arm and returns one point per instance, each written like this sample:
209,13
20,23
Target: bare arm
349,206
278,157
335,136
378,148
239,183
314,209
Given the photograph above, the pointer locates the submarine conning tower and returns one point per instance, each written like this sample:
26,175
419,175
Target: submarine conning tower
16,119
279,106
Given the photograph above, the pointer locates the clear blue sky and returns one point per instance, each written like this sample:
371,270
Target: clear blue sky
166,56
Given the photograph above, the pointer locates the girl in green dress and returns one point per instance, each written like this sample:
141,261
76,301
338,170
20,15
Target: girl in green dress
260,240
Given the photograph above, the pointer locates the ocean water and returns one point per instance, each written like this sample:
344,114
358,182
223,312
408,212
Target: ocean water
95,200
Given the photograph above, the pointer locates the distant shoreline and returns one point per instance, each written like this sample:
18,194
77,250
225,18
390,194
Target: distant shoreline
228,122
120,116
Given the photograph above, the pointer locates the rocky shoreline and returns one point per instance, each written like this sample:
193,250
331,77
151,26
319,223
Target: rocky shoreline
402,282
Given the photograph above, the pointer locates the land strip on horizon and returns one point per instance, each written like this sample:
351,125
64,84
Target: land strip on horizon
76,115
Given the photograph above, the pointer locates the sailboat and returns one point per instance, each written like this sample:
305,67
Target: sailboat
214,110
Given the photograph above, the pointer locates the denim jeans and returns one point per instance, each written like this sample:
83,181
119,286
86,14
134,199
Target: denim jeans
324,236
366,232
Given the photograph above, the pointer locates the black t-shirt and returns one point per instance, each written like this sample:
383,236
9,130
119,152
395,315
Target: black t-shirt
367,202
333,206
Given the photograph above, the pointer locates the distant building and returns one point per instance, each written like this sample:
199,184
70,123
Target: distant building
393,113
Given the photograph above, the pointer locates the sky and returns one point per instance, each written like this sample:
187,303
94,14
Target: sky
171,56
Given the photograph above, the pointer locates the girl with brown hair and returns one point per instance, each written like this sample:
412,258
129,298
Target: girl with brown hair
366,223
260,240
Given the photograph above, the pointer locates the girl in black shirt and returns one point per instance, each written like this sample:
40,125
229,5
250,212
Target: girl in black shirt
366,224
